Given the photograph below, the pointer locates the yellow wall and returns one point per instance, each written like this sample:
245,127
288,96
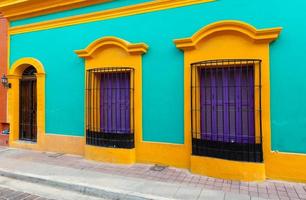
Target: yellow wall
165,154
64,144
286,166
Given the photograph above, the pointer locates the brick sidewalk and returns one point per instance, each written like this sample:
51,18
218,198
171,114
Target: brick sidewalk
267,190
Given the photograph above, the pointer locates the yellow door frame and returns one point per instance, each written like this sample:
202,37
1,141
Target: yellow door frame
14,77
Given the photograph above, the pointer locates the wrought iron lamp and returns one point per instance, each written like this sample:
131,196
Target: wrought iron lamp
5,82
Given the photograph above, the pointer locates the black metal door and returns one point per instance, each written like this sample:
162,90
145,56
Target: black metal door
28,108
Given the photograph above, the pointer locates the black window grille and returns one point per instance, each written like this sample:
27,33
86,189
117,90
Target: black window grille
110,107
226,109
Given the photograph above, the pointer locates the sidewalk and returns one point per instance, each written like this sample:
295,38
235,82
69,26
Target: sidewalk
135,182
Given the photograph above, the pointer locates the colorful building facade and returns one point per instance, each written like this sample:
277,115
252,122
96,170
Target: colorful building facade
216,87
3,70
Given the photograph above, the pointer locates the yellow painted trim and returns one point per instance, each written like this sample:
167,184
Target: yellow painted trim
113,52
110,52
6,3
14,76
215,41
136,49
263,35
104,15
111,155
21,9
226,169
20,65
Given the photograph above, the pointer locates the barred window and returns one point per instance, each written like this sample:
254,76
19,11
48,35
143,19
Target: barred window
226,109
109,107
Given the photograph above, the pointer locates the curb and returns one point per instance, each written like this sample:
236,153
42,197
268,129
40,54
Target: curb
106,193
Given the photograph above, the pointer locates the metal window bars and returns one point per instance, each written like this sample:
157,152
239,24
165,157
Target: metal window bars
110,107
226,109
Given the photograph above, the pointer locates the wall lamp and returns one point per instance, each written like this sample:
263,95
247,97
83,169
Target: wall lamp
5,82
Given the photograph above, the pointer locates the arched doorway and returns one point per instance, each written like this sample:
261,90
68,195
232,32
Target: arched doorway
26,100
28,105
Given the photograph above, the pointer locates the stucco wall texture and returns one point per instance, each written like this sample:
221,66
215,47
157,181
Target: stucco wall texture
3,68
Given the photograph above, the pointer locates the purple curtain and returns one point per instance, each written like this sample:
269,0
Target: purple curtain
227,104
115,102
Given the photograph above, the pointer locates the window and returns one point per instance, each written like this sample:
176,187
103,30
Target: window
226,114
109,107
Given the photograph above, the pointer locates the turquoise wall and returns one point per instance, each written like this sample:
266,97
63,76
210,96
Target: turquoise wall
163,66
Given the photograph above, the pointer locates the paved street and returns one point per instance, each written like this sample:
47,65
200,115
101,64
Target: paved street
12,189
9,194
111,181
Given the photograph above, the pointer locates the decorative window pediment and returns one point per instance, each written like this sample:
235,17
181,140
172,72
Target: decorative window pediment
113,87
105,42
258,36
